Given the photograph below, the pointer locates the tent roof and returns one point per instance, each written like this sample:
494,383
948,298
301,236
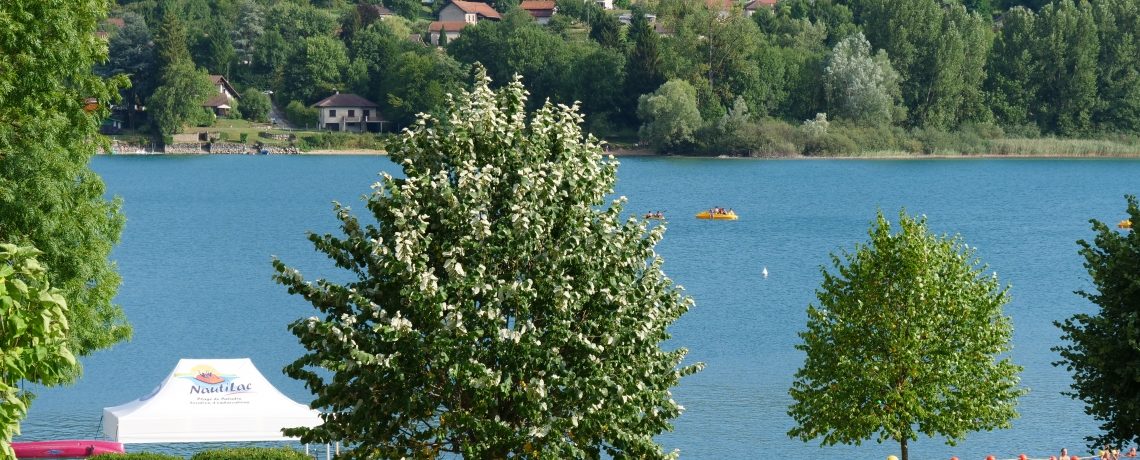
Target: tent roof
208,400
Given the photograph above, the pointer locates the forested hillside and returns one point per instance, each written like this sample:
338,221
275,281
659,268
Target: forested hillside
820,76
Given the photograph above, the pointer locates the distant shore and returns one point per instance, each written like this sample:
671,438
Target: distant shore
886,155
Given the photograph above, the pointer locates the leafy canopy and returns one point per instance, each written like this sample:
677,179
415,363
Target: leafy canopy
49,197
1102,355
501,307
906,339
33,336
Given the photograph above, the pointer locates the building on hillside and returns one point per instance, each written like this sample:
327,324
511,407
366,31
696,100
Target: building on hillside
378,10
451,28
349,112
605,4
469,12
220,103
755,5
541,10
457,15
627,18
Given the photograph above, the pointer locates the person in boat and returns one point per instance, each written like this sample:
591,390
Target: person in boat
1131,453
729,211
659,215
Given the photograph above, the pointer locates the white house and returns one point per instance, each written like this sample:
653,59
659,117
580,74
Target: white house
459,14
349,112
220,103
605,4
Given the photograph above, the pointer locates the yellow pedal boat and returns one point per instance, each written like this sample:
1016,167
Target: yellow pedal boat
1125,224
706,215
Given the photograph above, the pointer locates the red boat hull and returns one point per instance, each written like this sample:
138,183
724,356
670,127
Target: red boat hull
65,449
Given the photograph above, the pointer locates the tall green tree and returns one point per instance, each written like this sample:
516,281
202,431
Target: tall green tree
315,70
861,87
216,49
255,105
49,197
170,44
1068,48
1118,65
1102,353
670,115
644,72
250,27
606,30
131,53
33,337
501,306
907,339
179,100
1013,71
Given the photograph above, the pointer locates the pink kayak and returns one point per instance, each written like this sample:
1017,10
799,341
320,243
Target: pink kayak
65,449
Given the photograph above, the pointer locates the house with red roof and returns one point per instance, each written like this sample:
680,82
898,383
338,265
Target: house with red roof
221,103
459,14
541,10
349,112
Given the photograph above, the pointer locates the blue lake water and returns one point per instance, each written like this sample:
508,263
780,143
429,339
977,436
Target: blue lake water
201,230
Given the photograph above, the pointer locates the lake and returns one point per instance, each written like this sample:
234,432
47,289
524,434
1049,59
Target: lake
195,262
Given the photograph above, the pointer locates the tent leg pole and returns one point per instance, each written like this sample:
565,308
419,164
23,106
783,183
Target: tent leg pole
306,449
328,453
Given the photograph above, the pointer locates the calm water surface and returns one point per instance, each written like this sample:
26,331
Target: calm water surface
201,230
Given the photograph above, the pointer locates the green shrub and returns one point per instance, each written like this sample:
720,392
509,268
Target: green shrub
167,139
244,137
136,456
830,144
301,115
250,453
224,136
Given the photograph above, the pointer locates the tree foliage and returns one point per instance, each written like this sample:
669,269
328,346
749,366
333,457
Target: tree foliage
861,87
49,197
179,100
1102,355
670,115
33,336
907,339
501,308
255,105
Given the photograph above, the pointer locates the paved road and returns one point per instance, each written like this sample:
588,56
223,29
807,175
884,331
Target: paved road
276,112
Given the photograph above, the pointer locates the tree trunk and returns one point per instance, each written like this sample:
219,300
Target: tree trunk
903,454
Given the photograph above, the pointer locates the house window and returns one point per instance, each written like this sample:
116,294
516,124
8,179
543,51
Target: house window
367,113
352,113
332,113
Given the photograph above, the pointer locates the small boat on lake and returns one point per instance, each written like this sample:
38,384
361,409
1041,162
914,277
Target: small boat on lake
652,216
66,449
711,216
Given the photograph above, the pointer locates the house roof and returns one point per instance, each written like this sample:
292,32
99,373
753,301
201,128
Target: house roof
380,10
117,22
452,26
536,5
220,80
218,100
344,100
720,5
481,9
757,4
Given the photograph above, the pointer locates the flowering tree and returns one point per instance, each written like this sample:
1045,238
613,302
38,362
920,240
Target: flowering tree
501,307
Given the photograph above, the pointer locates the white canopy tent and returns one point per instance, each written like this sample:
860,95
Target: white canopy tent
208,400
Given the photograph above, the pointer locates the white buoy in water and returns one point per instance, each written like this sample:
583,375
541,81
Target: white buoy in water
765,272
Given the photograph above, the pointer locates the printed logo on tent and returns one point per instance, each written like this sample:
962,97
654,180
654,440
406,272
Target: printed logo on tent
208,381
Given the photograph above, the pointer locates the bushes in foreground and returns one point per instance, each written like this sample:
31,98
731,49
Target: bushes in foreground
250,453
136,456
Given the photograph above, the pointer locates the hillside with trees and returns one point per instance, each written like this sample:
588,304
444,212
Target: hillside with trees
803,77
